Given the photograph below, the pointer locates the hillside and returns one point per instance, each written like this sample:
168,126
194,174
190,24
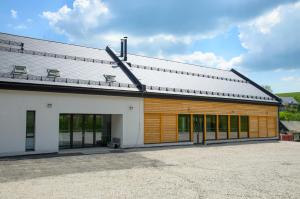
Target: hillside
296,95
288,115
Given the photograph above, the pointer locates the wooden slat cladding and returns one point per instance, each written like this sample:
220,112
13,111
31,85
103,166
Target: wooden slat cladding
161,117
253,127
169,128
272,127
262,127
152,128
155,105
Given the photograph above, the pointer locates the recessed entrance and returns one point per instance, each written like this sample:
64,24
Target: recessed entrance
84,130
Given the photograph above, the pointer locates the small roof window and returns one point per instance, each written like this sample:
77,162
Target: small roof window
110,78
19,70
53,73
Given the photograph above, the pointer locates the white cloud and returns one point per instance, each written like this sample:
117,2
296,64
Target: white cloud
80,20
20,27
207,59
291,79
13,13
272,40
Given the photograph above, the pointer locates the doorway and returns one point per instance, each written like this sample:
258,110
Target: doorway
198,124
84,130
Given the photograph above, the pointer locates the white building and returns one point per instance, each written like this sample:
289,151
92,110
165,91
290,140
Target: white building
55,96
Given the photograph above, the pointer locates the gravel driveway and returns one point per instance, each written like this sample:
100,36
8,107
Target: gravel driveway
257,170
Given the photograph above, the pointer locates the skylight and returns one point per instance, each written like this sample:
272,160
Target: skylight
53,73
19,70
110,78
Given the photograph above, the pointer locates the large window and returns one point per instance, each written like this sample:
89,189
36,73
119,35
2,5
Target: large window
244,123
244,126
211,127
184,128
223,126
84,130
30,130
64,131
234,126
198,128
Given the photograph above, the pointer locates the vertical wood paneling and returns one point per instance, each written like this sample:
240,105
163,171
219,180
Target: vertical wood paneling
152,128
169,128
161,117
271,127
262,127
253,127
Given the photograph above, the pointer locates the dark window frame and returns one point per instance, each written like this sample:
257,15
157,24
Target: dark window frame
27,136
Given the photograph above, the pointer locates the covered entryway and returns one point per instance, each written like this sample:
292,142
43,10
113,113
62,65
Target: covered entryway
84,130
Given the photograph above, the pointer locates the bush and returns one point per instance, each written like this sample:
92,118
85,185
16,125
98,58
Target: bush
289,116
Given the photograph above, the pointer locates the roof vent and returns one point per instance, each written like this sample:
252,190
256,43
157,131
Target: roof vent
19,70
53,73
110,78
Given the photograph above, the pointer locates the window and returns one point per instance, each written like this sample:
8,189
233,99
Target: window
19,70
184,127
53,73
198,123
244,123
211,123
30,130
110,78
223,123
234,123
211,127
223,127
234,126
64,131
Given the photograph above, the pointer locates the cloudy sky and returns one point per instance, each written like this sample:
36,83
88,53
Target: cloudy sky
259,38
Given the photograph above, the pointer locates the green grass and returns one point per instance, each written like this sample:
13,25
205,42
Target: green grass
295,95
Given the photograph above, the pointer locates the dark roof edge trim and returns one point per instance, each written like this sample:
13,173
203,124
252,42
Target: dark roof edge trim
131,76
66,89
204,98
95,91
256,85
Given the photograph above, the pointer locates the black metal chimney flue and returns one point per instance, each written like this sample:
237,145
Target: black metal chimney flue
125,48
122,48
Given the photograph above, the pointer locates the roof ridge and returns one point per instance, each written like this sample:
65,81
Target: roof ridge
52,41
164,59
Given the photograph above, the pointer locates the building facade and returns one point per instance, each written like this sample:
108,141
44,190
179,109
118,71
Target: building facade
55,96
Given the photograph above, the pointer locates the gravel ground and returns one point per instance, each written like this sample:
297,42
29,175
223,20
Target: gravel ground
257,170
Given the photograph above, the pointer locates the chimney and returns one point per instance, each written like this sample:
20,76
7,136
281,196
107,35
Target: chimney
125,48
122,48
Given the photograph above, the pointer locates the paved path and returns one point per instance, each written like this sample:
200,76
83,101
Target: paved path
261,170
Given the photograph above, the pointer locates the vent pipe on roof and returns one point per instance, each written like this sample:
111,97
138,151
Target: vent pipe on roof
122,48
125,48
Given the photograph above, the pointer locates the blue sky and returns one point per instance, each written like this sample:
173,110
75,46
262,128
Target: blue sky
258,38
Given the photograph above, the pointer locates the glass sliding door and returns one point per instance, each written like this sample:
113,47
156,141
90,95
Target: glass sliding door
102,130
88,130
184,128
84,130
211,127
198,128
244,127
223,127
234,126
77,133
64,131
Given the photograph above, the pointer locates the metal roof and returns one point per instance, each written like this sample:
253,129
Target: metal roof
292,125
289,101
164,76
80,66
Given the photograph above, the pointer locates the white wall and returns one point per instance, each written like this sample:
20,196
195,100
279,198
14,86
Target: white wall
14,104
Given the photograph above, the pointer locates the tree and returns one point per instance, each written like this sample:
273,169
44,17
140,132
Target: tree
268,88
